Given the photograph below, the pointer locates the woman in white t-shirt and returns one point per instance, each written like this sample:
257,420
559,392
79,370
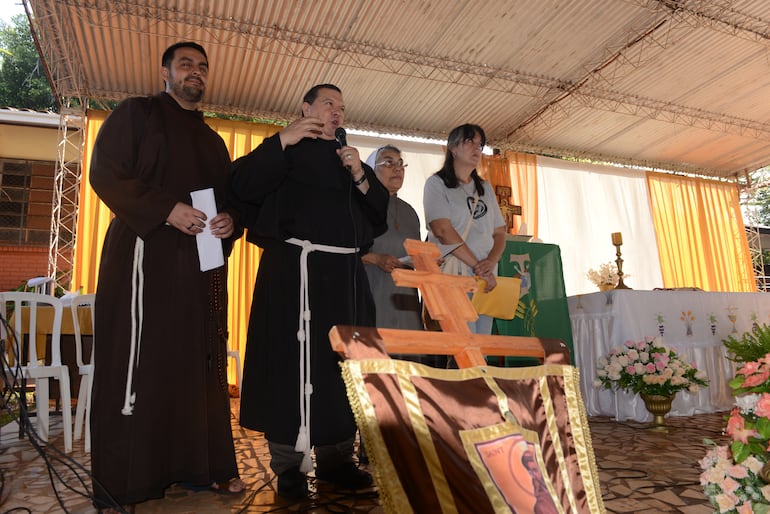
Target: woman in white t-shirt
460,207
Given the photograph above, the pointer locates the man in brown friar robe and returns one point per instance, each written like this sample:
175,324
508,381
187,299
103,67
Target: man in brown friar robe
160,411
314,208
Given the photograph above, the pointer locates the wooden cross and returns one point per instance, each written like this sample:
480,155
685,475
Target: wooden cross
446,298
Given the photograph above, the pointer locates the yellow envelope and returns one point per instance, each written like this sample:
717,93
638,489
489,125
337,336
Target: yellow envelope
501,301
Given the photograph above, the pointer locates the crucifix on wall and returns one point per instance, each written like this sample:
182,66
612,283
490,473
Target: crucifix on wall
503,194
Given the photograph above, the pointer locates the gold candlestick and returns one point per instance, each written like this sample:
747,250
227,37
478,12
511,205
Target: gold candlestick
617,240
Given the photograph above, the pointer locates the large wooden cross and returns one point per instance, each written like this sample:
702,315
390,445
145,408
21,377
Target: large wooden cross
446,298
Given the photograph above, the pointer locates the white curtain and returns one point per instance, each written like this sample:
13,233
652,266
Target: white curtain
581,205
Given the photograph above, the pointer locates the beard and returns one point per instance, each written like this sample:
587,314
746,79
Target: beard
188,93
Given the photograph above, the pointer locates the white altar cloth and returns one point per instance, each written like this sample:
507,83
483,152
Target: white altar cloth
692,323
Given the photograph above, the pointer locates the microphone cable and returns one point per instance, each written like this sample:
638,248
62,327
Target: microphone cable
341,137
15,393
356,255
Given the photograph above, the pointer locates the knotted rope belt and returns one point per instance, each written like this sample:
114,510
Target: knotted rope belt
303,337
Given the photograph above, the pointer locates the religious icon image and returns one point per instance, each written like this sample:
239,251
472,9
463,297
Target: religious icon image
503,194
512,464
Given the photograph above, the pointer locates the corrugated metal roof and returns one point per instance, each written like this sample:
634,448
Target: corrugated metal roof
674,84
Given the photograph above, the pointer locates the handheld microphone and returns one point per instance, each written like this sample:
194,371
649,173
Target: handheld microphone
341,136
342,139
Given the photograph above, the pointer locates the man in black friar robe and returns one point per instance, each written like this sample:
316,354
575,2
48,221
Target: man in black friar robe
160,409
314,207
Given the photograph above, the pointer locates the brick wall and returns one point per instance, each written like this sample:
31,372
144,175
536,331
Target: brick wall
19,263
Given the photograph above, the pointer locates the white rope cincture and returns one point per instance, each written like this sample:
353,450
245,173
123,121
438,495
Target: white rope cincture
137,317
303,337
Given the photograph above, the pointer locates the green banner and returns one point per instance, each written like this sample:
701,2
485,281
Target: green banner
542,310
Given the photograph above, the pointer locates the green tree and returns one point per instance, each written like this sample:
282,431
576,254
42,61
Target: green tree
23,83
762,201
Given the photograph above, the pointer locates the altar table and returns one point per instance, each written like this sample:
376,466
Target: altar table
692,323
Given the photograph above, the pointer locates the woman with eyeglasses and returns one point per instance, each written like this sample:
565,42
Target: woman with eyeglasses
397,307
461,208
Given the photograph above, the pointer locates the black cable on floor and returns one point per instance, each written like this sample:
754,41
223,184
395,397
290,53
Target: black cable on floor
15,389
250,498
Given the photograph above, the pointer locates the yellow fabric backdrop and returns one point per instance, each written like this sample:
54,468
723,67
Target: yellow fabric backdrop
701,236
94,218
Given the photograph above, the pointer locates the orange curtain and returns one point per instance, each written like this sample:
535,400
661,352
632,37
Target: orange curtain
523,171
94,218
519,172
701,236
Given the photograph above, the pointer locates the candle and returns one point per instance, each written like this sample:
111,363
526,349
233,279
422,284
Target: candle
617,238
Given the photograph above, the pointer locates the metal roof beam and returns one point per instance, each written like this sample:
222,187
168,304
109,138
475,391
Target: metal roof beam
643,44
274,39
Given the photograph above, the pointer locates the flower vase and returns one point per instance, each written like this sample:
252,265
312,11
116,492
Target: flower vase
658,406
606,287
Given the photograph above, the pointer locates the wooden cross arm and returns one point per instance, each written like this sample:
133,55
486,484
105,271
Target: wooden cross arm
414,278
424,255
468,350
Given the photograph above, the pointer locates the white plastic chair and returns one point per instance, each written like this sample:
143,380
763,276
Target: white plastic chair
234,354
42,285
32,367
86,369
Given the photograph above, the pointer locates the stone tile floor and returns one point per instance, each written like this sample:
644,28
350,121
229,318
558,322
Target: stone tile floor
640,471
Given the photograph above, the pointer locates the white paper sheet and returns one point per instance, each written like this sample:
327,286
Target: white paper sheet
210,252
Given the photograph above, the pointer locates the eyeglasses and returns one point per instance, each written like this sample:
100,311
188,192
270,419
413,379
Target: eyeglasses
392,164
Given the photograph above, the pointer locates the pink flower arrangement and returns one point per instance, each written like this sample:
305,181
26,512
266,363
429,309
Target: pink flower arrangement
648,367
735,477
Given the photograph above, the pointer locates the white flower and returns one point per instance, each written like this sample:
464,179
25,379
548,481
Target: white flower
747,402
607,274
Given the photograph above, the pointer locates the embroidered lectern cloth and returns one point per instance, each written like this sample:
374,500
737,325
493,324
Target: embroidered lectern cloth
475,440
